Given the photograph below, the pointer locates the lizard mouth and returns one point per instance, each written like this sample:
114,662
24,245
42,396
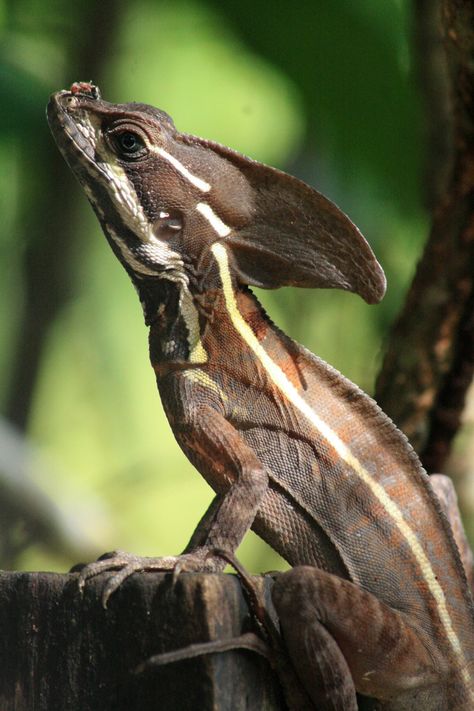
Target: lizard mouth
73,129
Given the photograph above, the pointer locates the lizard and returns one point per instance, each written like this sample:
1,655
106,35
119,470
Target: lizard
292,448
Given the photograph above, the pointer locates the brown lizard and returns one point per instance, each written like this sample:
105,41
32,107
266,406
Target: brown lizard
292,448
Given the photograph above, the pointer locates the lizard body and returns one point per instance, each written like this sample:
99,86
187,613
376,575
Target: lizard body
290,446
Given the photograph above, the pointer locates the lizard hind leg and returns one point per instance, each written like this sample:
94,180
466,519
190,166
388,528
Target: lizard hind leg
346,640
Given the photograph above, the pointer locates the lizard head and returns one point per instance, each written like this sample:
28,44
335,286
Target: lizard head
164,198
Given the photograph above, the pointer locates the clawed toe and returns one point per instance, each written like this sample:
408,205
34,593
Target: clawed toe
121,565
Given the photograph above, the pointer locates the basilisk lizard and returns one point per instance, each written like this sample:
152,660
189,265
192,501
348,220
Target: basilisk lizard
292,448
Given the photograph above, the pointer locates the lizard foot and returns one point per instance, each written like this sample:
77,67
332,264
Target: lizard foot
122,565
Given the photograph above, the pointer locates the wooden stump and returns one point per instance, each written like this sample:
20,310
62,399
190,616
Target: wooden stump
61,650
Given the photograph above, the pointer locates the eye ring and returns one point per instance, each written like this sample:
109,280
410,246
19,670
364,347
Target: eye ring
127,143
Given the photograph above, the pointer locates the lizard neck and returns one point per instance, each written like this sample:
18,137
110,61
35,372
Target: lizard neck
229,351
196,331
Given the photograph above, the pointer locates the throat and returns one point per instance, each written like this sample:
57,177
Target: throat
175,324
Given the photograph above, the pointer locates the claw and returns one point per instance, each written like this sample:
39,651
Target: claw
108,561
125,564
177,570
114,582
197,561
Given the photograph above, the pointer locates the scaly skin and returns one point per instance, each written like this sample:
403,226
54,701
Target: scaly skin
291,447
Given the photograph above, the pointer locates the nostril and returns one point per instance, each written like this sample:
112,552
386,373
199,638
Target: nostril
70,102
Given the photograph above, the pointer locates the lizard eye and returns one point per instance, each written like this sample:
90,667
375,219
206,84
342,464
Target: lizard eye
129,144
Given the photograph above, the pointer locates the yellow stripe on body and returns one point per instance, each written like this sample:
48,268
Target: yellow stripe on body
196,375
288,389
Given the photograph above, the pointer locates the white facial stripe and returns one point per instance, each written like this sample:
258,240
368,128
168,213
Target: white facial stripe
128,255
279,378
126,200
216,223
193,179
158,252
121,188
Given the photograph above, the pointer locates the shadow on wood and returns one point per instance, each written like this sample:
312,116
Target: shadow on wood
61,650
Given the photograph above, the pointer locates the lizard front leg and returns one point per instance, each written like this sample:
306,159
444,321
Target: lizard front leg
342,639
234,470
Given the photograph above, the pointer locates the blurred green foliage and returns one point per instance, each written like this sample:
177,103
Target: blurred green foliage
324,90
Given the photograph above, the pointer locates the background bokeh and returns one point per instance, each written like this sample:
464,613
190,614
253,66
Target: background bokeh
324,90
